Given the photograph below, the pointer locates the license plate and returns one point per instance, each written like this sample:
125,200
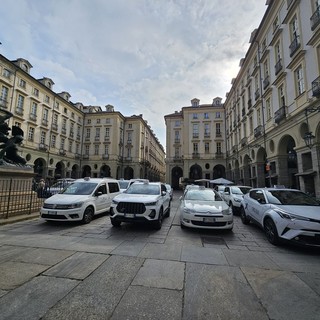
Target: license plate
52,212
209,219
129,215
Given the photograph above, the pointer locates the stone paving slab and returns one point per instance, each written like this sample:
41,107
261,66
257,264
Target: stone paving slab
14,274
149,303
43,256
283,294
219,293
97,296
78,266
129,248
311,279
10,252
203,255
161,251
249,258
161,274
34,298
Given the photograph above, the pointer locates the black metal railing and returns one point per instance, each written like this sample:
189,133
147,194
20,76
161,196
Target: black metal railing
278,66
294,46
316,87
18,197
315,19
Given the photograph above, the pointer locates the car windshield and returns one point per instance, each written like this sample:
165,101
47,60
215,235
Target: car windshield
240,190
287,197
80,188
202,195
138,188
123,184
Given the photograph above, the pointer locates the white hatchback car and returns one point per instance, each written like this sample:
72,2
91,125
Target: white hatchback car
81,200
284,214
233,196
204,208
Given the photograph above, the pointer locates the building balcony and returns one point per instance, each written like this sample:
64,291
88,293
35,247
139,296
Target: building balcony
177,140
195,155
3,103
218,134
54,127
85,157
294,46
316,87
33,117
43,147
97,138
244,141
315,19
19,111
129,141
105,156
77,156
195,136
106,138
219,155
207,136
280,115
258,131
87,139
62,152
266,82
278,67
44,122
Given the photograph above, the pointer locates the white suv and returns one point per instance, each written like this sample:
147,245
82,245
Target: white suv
141,202
81,200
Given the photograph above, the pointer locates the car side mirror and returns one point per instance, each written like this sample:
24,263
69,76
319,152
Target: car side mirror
98,193
163,193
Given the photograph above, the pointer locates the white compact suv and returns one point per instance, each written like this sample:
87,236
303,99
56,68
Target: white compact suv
141,202
81,200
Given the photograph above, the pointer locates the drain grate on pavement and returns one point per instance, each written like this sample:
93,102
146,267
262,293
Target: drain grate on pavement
213,240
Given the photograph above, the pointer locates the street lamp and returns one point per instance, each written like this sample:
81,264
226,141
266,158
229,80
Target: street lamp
309,137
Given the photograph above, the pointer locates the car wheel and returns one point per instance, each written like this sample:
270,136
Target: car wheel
271,232
168,211
182,226
232,207
115,223
88,215
243,216
158,223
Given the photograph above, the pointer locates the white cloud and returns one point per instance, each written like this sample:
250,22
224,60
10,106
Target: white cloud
142,56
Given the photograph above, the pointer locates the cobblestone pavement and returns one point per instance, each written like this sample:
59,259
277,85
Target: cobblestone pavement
96,271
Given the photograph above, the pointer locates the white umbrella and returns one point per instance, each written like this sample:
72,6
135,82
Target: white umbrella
221,181
207,181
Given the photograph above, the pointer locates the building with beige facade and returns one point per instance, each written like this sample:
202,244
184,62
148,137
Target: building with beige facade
66,139
195,142
273,106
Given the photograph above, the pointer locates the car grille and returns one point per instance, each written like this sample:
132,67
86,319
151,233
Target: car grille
309,240
53,217
209,224
131,207
56,206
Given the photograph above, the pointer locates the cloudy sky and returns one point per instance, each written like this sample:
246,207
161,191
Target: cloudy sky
141,56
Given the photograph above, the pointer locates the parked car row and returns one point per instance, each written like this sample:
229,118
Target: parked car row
81,199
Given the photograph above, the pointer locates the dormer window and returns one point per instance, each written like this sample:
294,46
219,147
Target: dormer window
25,67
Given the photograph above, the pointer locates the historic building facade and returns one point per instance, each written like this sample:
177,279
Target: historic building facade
273,107
195,142
65,139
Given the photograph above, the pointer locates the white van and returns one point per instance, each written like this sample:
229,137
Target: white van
81,200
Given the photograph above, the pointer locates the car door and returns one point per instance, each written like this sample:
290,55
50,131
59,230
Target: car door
102,199
226,195
113,190
257,205
166,197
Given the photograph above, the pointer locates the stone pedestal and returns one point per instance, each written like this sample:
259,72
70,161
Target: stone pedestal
20,176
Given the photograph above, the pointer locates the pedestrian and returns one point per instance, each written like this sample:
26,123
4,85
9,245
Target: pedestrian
41,188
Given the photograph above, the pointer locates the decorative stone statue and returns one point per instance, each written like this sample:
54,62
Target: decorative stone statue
8,146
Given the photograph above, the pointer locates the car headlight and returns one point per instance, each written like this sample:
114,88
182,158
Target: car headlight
286,215
74,205
227,211
154,203
186,210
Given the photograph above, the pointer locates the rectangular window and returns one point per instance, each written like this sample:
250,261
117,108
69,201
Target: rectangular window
4,95
250,125
96,149
22,83
62,142
282,100
88,131
89,121
299,80
45,114
70,146
259,117
195,148
106,150
207,130
130,125
98,121
77,148
195,131
177,123
206,147
218,128
206,115
53,141
6,73
34,107
20,102
47,99
31,134
219,150
87,149
43,137
268,108
97,132
177,152
36,92
195,116
107,132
